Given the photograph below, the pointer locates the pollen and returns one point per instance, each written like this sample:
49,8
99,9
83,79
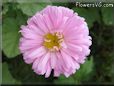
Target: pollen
53,41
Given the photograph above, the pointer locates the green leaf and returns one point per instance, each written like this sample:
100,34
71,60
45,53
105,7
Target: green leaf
32,7
112,72
0,37
6,76
85,70
65,4
63,80
108,15
0,72
91,15
6,1
79,76
10,37
5,9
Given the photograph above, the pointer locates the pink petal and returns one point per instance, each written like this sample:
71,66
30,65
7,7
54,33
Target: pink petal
53,60
76,47
35,64
66,59
37,51
43,62
66,11
39,20
36,30
48,72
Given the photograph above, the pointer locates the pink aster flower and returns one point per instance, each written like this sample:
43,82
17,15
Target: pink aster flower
55,38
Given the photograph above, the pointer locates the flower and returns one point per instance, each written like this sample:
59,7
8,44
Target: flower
55,38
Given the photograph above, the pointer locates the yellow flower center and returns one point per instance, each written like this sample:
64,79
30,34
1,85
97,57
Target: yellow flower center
53,41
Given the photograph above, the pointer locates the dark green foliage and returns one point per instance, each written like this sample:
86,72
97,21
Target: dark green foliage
6,76
99,67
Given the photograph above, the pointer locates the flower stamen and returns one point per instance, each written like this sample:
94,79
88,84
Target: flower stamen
53,41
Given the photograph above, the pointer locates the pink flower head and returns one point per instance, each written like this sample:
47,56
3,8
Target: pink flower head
55,38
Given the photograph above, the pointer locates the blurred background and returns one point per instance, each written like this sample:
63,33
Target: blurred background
99,66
